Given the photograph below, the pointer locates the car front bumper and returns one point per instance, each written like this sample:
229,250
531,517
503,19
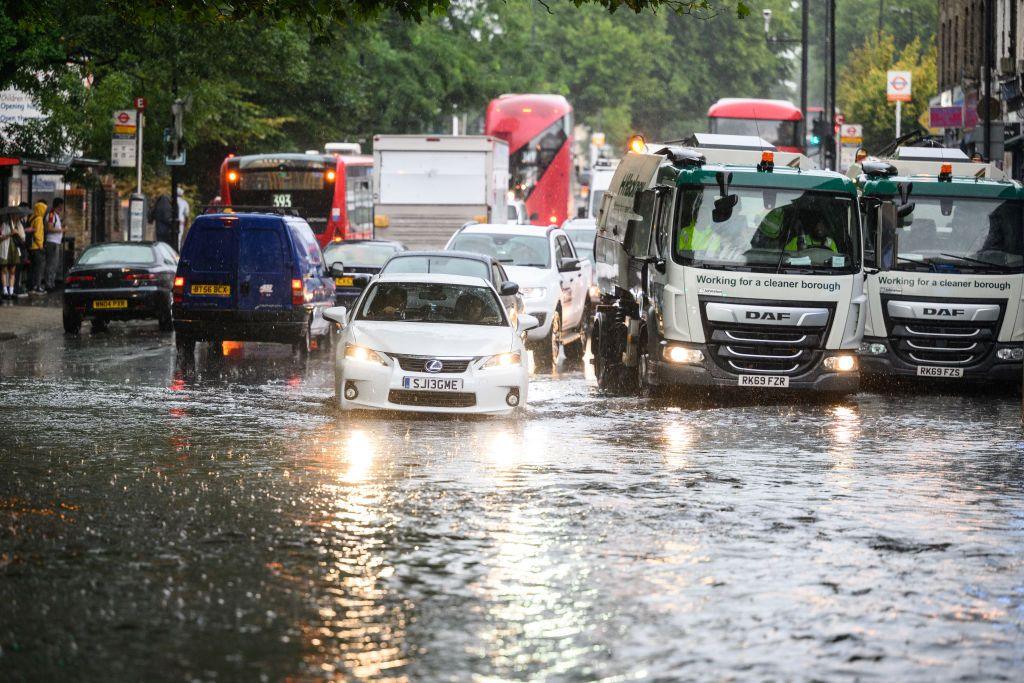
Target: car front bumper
376,383
542,311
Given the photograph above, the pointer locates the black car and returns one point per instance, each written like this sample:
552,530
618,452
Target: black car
360,261
120,281
459,263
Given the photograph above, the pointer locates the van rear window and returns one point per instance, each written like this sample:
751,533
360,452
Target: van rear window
262,250
211,248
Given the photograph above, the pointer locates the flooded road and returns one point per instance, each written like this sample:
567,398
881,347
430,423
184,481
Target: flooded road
233,526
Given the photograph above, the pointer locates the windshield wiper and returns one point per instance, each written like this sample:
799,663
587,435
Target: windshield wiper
999,266
926,264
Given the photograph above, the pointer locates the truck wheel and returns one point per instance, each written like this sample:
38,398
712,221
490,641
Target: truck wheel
642,381
72,322
612,376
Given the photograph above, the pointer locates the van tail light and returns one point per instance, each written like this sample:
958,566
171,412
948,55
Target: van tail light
179,289
298,292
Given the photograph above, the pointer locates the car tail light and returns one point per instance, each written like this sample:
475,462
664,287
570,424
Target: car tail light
71,279
136,278
179,289
298,292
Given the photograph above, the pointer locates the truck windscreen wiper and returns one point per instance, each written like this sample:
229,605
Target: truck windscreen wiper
926,264
998,266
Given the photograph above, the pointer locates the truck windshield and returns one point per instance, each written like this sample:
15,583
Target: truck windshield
771,230
948,234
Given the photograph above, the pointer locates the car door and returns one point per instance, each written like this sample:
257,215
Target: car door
263,278
574,287
660,249
209,265
512,303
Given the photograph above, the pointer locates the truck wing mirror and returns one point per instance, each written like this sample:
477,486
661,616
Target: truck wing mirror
508,288
905,214
885,237
567,264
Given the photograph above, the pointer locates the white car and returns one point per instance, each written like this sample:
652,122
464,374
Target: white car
552,279
430,343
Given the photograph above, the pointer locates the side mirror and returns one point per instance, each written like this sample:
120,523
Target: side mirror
337,269
581,212
885,237
360,280
527,322
905,214
508,288
566,265
336,314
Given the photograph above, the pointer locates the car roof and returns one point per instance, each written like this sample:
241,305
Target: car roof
249,218
394,243
471,256
436,278
507,229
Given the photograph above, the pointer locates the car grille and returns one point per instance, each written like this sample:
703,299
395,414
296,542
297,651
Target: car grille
449,366
432,399
920,342
742,349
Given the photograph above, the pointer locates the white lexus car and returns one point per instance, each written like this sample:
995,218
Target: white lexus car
430,343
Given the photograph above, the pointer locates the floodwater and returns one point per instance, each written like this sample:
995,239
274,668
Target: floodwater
233,526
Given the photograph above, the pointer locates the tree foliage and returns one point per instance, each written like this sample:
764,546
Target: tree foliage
861,92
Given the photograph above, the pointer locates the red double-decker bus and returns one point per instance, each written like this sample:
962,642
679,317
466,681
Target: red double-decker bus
776,121
333,192
538,130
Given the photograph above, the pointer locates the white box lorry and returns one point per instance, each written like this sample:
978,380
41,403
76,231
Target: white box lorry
425,187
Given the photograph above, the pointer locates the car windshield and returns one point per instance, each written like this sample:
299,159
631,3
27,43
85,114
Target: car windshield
514,250
446,265
768,230
948,234
358,253
430,302
117,253
583,240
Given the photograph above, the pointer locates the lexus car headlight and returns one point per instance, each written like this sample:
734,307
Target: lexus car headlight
502,360
364,355
533,292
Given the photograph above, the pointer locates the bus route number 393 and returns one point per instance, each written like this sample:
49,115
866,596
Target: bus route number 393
282,201
764,381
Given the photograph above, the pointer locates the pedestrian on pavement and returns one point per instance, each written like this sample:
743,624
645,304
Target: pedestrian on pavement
35,248
54,242
22,240
184,210
162,214
8,254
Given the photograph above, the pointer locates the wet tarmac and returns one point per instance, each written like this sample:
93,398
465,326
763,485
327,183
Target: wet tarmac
232,525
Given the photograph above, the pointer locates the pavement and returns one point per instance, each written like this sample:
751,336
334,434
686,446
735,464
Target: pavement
30,316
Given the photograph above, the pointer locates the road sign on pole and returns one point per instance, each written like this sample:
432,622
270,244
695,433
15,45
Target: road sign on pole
897,86
122,142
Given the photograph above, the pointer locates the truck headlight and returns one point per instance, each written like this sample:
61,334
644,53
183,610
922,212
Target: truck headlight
683,355
361,354
533,292
871,349
502,360
841,363
1011,353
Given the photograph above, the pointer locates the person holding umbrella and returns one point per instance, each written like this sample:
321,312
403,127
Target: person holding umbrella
10,255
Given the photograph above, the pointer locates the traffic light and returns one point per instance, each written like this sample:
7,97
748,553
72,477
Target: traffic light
820,130
174,137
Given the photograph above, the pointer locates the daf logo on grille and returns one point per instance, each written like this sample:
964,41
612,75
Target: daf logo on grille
767,315
434,365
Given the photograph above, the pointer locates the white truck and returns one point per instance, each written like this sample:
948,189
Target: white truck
425,187
946,288
725,263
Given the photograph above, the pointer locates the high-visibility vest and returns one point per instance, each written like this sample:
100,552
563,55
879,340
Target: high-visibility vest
692,239
801,242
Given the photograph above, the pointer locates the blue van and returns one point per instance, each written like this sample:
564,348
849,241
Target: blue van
250,277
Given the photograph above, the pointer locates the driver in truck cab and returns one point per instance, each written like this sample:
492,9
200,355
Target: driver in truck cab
817,239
